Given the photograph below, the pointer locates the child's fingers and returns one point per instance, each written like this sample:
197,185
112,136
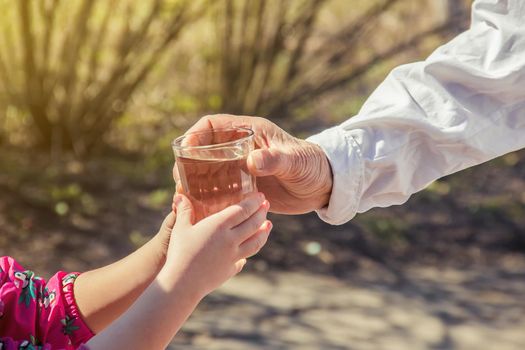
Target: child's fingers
184,210
169,221
173,206
238,213
253,244
241,232
239,265
178,188
178,182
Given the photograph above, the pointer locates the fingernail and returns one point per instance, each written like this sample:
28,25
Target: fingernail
177,200
258,161
270,225
266,205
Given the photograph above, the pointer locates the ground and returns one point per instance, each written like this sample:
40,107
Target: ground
478,308
444,271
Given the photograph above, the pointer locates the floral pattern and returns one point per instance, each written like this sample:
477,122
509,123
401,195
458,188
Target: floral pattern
69,326
38,315
27,280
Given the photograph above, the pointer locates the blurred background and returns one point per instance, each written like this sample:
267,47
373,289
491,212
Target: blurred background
92,92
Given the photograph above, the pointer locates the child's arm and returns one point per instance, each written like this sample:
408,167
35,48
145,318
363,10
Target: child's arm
200,258
102,295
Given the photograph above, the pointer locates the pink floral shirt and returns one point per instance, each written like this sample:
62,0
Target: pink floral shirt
38,315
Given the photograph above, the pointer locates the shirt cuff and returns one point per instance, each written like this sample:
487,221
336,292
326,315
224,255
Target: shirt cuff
345,158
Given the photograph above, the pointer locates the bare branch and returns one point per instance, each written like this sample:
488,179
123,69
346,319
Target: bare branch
274,47
139,36
243,31
6,61
226,66
354,29
309,15
99,38
5,80
48,10
48,15
253,55
127,87
309,91
32,89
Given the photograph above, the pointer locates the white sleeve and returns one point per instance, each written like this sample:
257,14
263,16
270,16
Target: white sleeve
463,106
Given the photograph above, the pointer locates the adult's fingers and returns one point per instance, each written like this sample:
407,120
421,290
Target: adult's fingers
238,213
266,133
253,244
219,121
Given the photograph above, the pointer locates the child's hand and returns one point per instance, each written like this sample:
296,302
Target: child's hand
199,259
215,249
162,239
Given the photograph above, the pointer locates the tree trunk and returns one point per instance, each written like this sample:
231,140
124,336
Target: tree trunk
457,14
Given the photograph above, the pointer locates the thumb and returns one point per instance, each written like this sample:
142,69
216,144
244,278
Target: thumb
184,209
267,161
169,222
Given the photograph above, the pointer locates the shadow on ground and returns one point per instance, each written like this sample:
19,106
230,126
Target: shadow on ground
431,309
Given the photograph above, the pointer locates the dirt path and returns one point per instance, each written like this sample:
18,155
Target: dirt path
431,309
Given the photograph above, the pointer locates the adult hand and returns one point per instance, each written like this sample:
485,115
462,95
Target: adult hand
294,174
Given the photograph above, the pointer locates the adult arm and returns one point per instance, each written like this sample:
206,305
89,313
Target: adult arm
463,106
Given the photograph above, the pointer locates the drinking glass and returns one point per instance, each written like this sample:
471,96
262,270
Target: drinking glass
212,168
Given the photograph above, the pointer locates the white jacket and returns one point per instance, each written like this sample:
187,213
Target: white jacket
463,106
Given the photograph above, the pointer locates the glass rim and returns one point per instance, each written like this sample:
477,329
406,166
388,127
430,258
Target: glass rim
176,142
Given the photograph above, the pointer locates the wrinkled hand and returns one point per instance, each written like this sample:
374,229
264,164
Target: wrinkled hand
294,174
